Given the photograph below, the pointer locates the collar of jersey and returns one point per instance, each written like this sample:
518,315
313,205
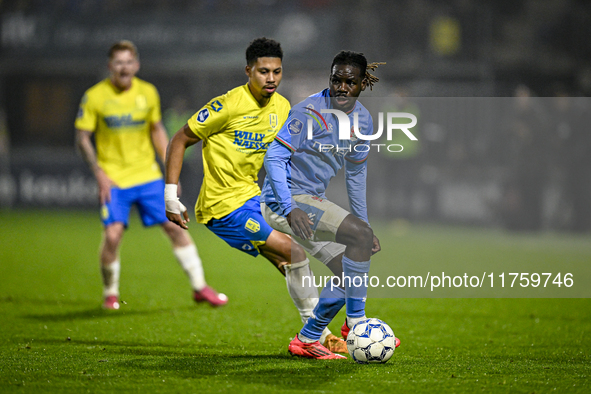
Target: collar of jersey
249,93
119,91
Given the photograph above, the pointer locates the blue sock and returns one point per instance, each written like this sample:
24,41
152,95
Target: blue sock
355,286
329,304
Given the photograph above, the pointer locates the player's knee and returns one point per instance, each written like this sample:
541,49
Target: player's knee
297,253
355,233
113,237
365,235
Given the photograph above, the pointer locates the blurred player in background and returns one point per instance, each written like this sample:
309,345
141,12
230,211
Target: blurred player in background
123,113
299,171
236,129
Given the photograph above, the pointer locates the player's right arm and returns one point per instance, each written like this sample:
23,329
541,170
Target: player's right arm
209,120
172,170
86,149
277,162
85,124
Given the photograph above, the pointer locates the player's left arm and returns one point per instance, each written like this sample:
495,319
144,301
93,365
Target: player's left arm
356,181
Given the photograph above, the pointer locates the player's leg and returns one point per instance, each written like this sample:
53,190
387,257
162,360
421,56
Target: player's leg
358,238
281,249
114,216
332,299
290,258
186,253
349,255
152,211
110,264
332,223
298,275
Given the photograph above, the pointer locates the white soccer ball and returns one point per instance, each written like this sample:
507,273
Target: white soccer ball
371,341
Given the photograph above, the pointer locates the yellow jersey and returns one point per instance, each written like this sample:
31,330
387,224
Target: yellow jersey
121,121
236,132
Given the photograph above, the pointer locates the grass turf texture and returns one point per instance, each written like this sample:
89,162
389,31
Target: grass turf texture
55,338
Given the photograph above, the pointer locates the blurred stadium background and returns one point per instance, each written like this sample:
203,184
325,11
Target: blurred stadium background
534,175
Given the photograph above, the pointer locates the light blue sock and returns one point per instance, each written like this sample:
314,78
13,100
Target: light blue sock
355,286
329,304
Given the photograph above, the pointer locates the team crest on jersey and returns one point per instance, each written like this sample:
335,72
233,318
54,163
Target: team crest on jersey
141,102
252,225
216,106
295,126
203,115
273,120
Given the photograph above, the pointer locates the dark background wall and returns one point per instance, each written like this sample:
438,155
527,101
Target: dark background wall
51,52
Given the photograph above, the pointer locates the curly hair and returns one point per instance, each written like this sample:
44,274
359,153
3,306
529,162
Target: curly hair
263,47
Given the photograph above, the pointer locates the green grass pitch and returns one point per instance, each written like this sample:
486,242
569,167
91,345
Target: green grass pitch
55,338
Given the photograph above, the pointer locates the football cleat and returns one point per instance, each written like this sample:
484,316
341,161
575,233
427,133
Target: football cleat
335,344
111,302
311,350
345,331
207,294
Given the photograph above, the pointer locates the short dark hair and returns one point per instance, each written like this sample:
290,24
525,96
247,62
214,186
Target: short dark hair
263,47
350,58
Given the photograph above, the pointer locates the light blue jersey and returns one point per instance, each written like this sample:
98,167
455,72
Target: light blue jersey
298,165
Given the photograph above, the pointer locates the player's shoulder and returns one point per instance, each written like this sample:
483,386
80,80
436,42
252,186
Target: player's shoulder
231,99
234,95
98,88
97,92
281,102
144,86
316,102
279,99
361,108
363,111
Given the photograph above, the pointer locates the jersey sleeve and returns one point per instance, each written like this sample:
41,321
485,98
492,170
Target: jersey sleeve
356,174
293,132
210,119
277,162
87,116
356,180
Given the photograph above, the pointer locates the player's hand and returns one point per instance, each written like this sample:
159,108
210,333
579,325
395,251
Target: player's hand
376,245
104,185
300,223
177,213
175,210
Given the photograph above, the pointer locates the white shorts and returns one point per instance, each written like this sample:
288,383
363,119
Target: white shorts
327,217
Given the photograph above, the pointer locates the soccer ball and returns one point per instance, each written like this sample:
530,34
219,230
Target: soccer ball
371,341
